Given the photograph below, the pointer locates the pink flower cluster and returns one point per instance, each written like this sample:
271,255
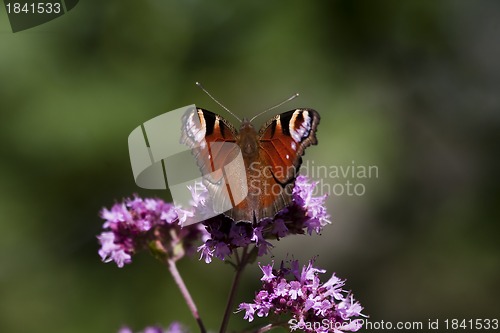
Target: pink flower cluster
301,294
306,213
136,224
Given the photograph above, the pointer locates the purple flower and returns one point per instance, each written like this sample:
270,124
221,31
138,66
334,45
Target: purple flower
153,329
206,253
295,290
302,295
125,329
249,310
268,272
199,194
279,228
137,224
314,206
260,242
222,250
174,327
306,213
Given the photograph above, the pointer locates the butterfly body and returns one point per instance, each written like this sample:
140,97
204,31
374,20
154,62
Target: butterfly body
271,156
247,139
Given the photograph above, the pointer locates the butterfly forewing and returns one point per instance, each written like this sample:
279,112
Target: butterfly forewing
284,138
212,140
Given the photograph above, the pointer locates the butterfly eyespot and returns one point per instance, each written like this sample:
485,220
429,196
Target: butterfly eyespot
300,125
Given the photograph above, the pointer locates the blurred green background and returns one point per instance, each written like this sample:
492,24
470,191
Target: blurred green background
412,87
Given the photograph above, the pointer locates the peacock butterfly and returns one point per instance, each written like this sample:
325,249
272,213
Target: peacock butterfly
272,158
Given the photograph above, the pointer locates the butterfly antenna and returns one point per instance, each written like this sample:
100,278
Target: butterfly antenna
216,101
277,105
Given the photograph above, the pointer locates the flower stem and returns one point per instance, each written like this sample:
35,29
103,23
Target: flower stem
229,306
271,326
266,328
185,293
